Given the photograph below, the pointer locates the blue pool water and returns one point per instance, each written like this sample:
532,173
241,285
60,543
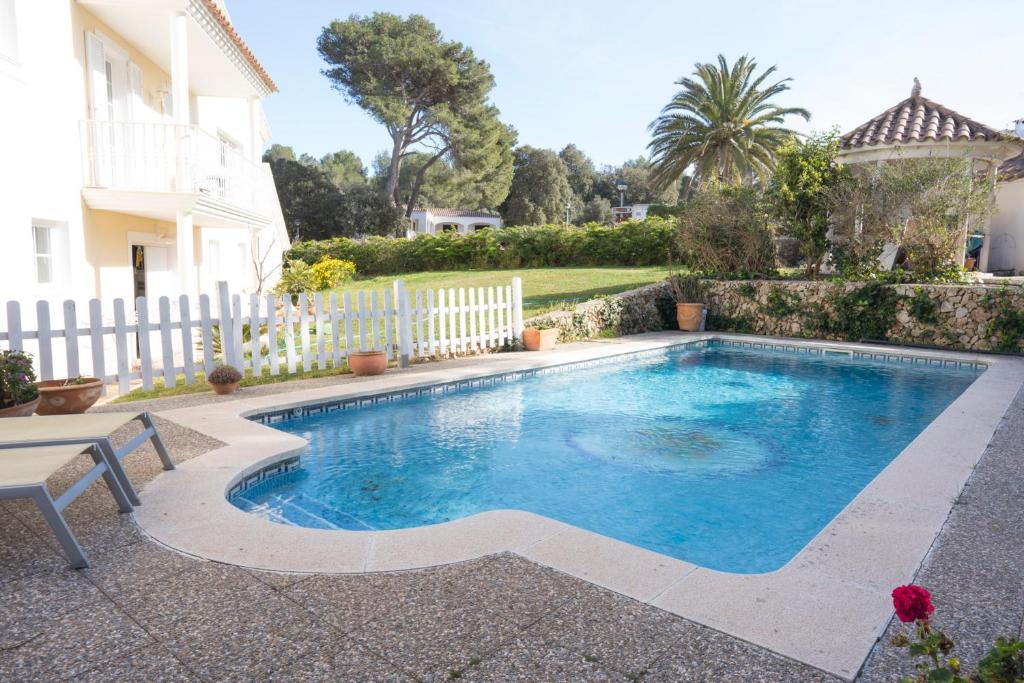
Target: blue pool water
731,459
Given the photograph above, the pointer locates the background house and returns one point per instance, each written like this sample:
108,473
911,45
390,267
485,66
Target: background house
633,212
133,131
430,221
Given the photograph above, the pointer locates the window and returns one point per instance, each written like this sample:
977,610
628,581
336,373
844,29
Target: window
50,251
108,70
8,31
43,245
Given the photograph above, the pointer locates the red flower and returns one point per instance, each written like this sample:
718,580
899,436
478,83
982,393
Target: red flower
912,603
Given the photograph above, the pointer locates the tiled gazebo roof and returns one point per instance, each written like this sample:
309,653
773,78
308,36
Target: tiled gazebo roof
918,119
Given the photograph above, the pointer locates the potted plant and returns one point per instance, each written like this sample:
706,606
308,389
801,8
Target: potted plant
689,293
363,363
224,379
68,396
19,394
541,335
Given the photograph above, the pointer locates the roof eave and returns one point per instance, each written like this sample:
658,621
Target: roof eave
991,151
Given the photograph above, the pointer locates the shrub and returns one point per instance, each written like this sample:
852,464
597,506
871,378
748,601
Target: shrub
329,273
17,379
687,289
865,312
725,230
224,374
296,278
636,243
805,172
923,206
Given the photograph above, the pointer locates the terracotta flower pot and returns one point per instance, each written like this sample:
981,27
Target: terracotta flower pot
59,398
224,389
364,363
20,410
689,316
539,340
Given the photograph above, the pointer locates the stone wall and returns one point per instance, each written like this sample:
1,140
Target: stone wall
958,316
951,316
638,310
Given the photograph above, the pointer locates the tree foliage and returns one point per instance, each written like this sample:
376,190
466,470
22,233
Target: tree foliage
344,168
725,229
540,188
805,175
428,92
315,208
641,185
925,207
580,172
723,123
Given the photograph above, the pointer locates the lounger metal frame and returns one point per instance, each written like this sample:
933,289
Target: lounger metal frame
52,509
114,455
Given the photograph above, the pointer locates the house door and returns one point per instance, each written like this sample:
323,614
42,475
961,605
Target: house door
152,274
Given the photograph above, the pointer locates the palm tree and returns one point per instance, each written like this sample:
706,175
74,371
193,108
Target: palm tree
723,124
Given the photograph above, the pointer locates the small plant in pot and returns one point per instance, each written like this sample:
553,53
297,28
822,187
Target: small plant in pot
224,379
19,395
68,396
541,335
363,363
689,292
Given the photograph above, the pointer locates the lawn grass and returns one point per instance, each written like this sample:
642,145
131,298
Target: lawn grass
544,289
159,390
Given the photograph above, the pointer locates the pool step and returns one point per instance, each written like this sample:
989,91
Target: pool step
303,510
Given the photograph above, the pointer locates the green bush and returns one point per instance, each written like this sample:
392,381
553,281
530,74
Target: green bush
329,273
296,278
17,379
636,243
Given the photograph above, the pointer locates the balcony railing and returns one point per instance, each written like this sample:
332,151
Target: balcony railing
164,157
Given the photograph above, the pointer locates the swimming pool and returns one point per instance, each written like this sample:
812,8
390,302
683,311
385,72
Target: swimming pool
727,458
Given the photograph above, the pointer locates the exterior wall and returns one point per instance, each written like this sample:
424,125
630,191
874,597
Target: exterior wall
425,223
41,174
1009,218
962,318
45,91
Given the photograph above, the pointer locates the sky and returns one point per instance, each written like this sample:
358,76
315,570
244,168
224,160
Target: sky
596,73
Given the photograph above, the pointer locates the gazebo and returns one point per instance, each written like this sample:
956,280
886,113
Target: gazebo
918,128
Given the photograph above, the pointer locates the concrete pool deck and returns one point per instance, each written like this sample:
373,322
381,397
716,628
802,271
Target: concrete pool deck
878,541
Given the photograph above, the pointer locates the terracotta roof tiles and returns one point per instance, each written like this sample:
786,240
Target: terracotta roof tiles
918,119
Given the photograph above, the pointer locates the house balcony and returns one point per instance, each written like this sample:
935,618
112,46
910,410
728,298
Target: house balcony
158,170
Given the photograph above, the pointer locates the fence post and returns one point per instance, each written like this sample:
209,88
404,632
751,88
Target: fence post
227,339
404,324
14,342
517,308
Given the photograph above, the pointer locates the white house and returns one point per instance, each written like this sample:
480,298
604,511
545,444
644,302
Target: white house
430,221
920,128
633,212
133,131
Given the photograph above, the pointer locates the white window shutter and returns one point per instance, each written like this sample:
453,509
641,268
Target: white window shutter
95,60
136,103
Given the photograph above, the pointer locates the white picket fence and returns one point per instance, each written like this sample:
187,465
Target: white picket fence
264,334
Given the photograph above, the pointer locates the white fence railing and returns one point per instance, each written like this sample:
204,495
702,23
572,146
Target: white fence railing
166,157
261,334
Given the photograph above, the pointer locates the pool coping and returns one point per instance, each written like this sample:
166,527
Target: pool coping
826,607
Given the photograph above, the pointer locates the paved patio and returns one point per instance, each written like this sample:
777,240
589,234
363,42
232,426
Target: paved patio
145,613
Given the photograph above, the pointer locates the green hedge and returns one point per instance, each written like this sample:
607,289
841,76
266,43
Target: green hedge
638,243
